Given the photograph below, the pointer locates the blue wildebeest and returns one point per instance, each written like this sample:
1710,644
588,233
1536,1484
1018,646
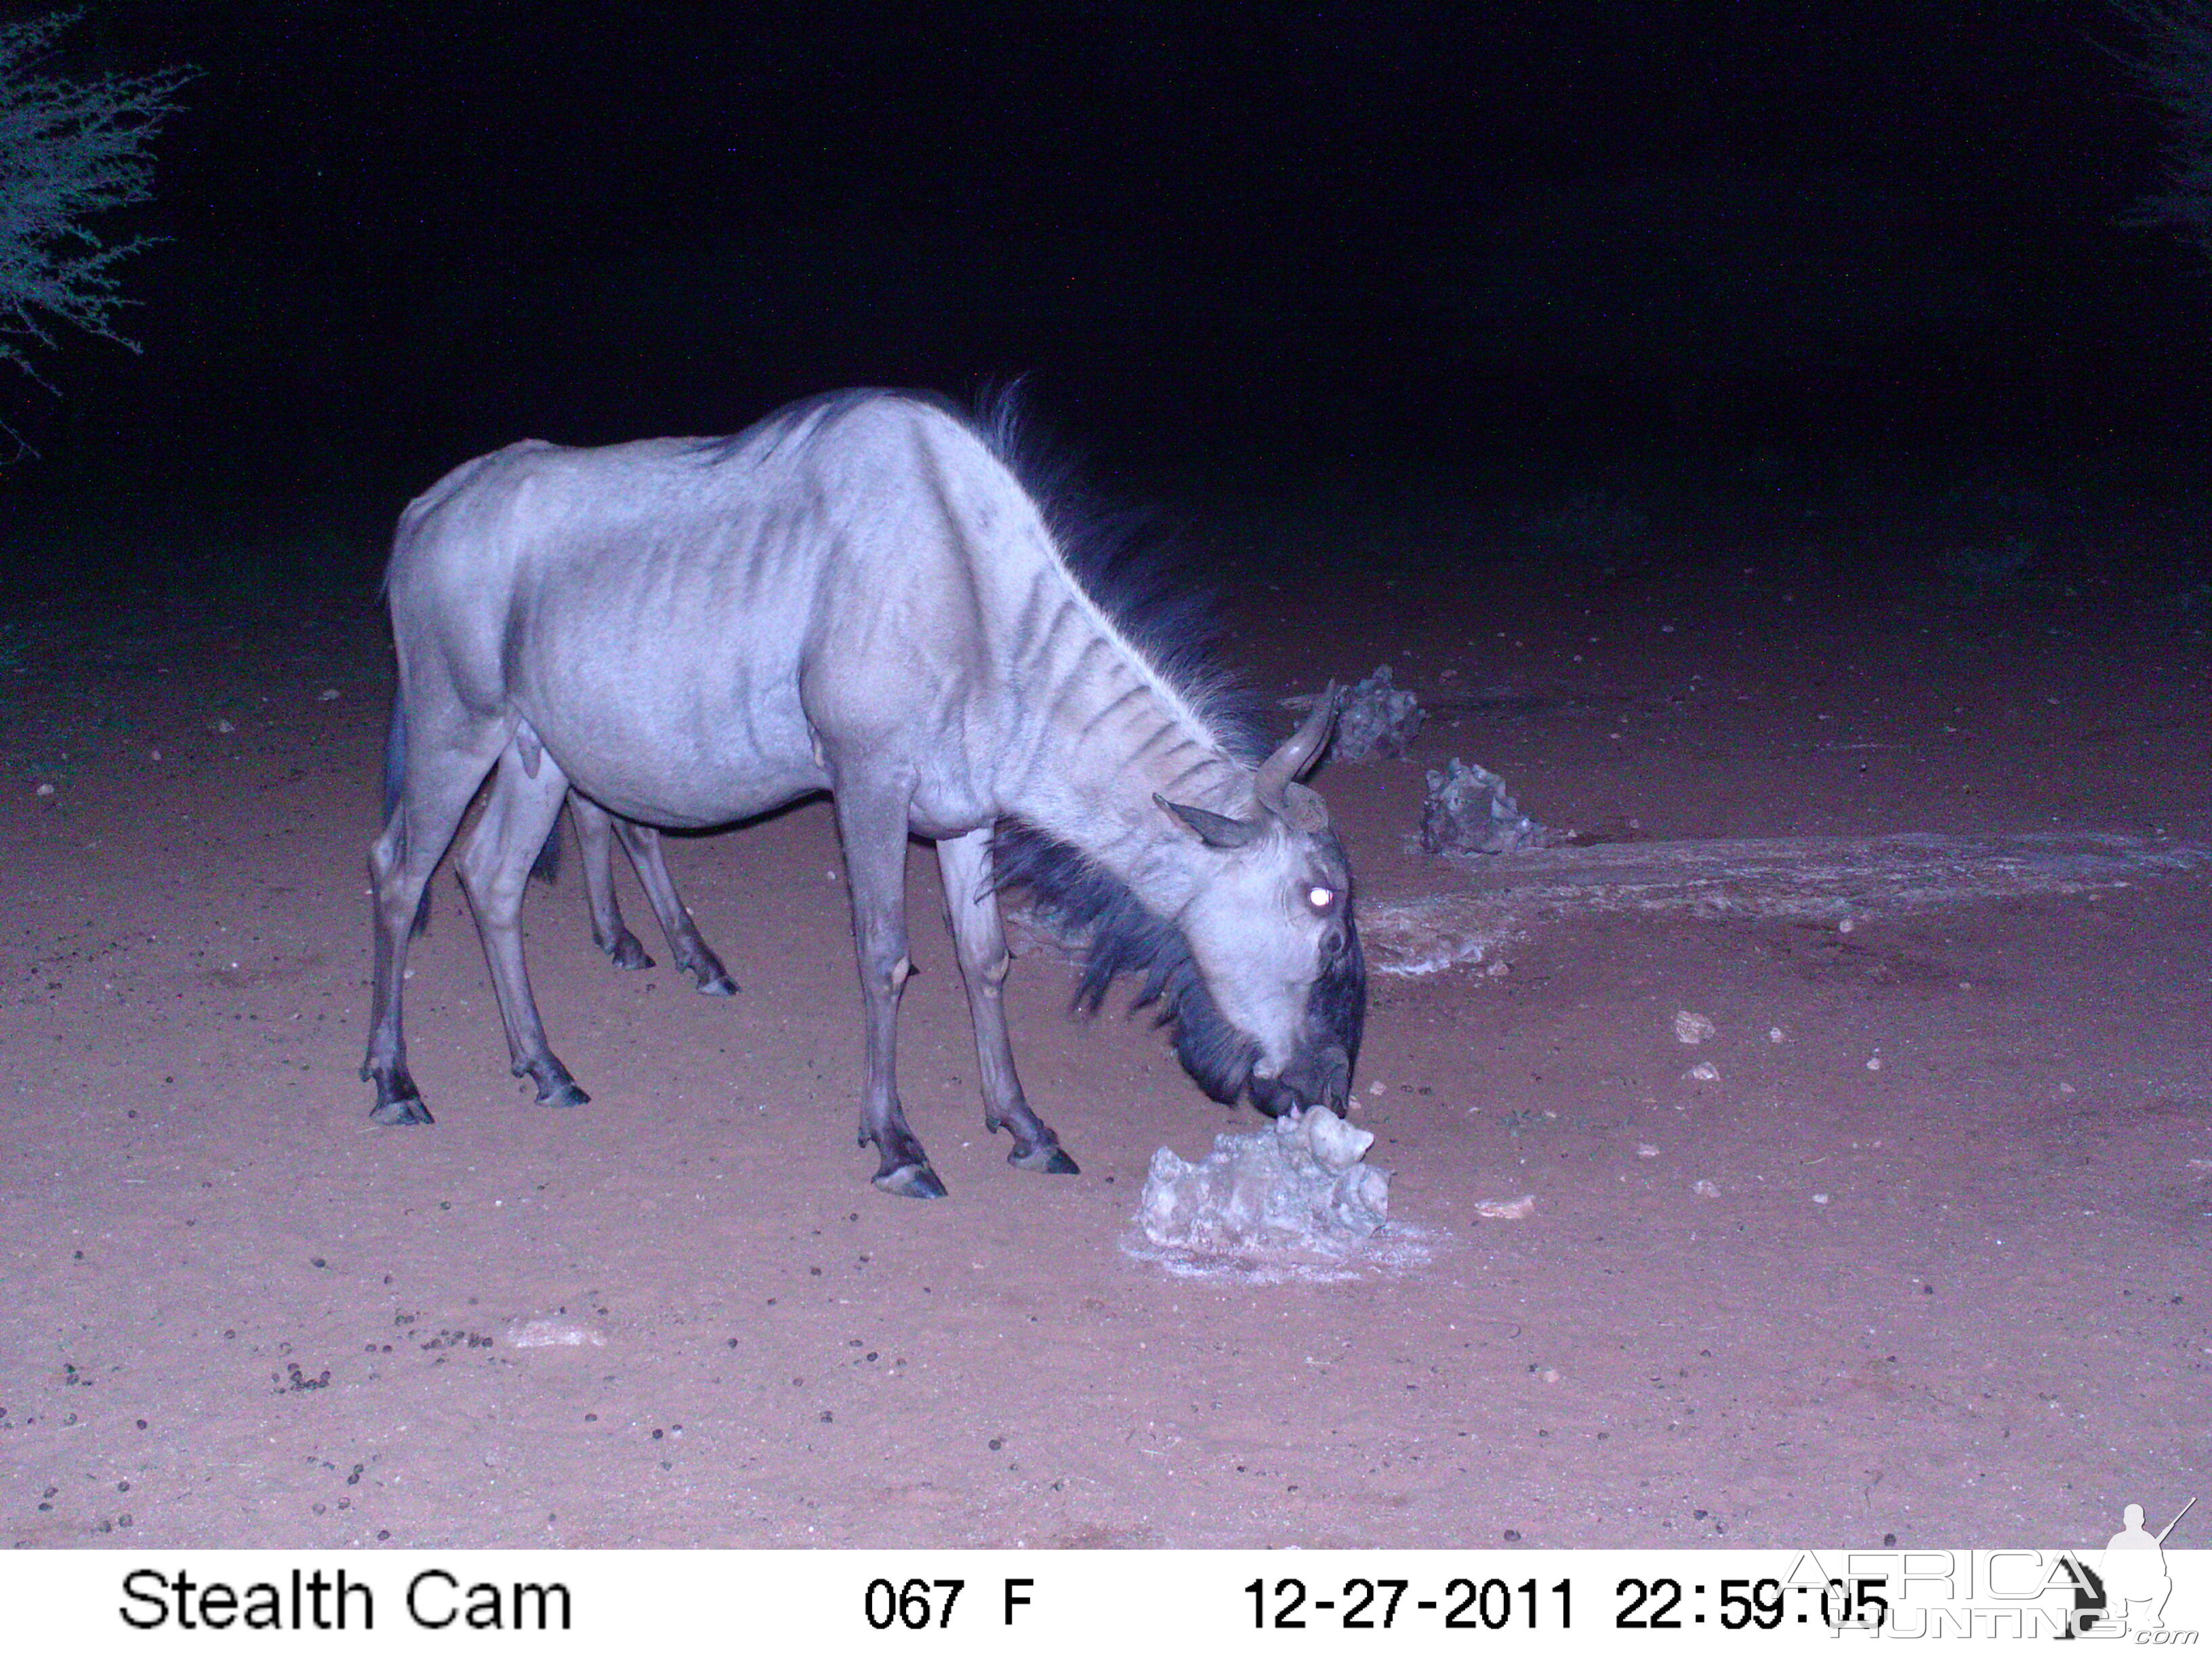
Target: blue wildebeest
856,595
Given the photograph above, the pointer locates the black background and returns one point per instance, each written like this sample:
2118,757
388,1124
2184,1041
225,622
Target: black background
1257,239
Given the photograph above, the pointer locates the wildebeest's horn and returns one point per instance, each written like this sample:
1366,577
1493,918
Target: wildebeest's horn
1277,776
1213,829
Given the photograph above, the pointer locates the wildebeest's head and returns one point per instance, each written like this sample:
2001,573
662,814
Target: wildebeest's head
1279,996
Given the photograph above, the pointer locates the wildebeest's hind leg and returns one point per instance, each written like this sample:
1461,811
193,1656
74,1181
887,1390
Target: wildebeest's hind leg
972,903
642,843
871,820
595,835
494,872
436,783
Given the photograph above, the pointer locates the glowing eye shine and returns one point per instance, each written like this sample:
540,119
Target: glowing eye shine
1320,897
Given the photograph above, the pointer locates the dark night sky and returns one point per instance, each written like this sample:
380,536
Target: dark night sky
1279,233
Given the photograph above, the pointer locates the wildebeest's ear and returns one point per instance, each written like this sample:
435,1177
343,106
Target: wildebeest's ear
1303,809
1213,829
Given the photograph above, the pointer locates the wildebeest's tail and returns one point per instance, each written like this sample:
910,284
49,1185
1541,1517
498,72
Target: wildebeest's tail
548,867
395,787
395,759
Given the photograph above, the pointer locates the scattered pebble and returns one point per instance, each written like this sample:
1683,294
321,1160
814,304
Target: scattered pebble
1693,1028
224,726
1507,1209
1875,1065
1645,1149
1774,1034
1703,1072
1706,1189
328,694
1820,1198
44,789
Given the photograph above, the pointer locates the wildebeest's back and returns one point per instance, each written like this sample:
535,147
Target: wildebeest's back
679,618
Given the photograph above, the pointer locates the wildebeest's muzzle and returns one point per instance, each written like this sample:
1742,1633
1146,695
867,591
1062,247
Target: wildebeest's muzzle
1336,1014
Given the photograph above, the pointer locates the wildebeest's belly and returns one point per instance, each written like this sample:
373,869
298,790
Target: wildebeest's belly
719,791
680,759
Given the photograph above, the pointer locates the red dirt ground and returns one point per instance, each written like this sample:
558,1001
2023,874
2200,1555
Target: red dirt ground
1962,1298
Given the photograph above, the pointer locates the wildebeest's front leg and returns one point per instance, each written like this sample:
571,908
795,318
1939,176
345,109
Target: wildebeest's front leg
972,903
495,872
642,843
595,837
871,820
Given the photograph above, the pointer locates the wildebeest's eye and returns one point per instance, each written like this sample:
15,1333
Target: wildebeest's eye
1321,898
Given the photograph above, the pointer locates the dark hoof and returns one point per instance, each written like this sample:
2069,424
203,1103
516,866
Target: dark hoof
718,985
568,1094
1045,1160
628,953
912,1181
400,1111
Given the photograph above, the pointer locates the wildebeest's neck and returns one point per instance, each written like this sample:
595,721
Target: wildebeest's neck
1108,734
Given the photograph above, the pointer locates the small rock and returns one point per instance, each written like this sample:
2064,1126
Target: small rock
44,789
1375,718
1703,1072
1507,1209
223,726
1469,810
553,1334
1705,1189
328,694
1694,1028
1647,1150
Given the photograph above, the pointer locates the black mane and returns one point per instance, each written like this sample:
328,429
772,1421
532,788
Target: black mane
1084,901
1143,581
1137,570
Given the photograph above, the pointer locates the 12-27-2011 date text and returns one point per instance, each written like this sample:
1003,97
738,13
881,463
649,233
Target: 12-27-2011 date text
1387,1603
